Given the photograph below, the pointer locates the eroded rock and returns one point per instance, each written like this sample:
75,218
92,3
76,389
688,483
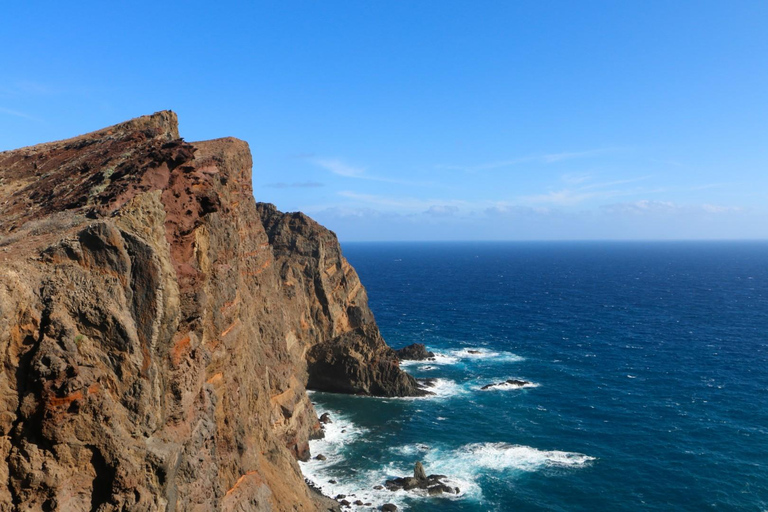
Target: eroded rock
158,328
415,352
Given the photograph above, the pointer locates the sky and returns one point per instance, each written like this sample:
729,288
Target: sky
431,120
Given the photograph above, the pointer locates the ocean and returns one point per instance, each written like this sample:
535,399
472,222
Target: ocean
648,364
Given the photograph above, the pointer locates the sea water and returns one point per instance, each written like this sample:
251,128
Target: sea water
648,365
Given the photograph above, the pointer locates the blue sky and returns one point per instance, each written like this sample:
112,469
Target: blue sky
441,120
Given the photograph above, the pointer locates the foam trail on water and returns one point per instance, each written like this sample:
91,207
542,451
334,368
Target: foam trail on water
503,385
454,356
326,476
475,458
464,466
483,353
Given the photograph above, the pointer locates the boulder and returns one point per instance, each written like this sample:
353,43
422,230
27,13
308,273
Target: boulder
415,352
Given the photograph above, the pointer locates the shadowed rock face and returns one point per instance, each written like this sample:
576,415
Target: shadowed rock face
156,327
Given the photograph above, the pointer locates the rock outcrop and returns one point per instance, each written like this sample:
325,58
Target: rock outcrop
415,352
347,353
158,328
432,485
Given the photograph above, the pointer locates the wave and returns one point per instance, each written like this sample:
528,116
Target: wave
505,385
441,388
464,466
465,354
472,461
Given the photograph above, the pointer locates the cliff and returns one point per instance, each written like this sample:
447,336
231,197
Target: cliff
158,328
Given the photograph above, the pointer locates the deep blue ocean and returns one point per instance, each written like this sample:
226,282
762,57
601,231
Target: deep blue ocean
648,364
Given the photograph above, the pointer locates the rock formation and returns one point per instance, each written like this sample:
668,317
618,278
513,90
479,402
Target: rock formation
158,328
415,352
434,485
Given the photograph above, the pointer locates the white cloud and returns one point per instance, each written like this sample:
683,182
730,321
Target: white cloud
649,207
338,167
442,210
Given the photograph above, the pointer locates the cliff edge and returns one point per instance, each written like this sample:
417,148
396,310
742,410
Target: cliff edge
158,328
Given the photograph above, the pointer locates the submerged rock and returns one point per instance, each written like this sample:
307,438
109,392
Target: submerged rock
515,383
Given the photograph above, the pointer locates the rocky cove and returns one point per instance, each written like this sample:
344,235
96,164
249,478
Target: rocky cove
159,328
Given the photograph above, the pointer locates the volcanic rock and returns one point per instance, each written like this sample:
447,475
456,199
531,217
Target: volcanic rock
432,484
158,328
415,352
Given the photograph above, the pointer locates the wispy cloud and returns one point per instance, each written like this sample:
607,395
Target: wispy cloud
22,115
574,195
411,204
550,158
302,184
650,207
341,168
338,167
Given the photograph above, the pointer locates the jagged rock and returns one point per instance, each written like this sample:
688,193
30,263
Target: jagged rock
418,472
320,456
432,484
415,352
158,328
325,418
472,351
350,356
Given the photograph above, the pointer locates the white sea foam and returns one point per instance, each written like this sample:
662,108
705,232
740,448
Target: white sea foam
339,435
457,355
483,353
465,465
471,461
503,385
441,388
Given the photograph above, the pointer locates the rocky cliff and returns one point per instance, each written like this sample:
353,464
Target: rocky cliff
158,328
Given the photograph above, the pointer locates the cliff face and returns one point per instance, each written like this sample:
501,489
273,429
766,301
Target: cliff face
158,328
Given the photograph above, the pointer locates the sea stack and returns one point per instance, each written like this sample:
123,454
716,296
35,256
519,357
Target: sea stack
159,328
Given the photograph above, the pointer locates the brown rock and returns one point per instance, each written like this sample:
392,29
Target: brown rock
158,328
418,472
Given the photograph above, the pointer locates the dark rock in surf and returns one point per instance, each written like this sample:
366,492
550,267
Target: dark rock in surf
510,382
415,352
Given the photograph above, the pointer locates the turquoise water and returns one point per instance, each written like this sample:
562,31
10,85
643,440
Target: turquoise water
649,361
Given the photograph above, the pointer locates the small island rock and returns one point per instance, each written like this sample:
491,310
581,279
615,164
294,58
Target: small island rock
415,352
